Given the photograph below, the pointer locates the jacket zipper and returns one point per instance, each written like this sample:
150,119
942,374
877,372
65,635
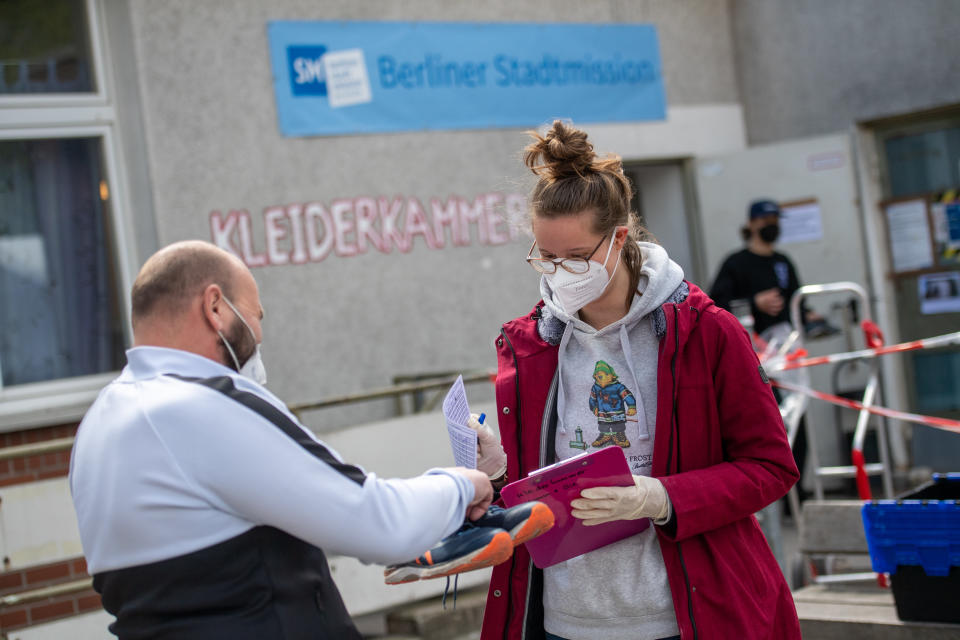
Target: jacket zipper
676,421
551,398
513,559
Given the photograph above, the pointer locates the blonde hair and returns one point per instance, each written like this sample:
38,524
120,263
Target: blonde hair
572,179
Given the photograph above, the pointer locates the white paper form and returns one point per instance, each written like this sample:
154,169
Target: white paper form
909,235
463,439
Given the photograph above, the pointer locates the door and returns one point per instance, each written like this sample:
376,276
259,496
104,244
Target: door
662,200
821,235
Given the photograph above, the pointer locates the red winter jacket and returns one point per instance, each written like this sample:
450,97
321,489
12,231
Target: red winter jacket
720,450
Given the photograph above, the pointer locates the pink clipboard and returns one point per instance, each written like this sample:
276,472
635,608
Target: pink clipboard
559,484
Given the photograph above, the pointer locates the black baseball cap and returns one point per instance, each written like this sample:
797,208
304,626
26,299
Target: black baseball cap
761,208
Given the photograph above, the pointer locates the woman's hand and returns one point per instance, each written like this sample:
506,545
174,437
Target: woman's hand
646,499
491,458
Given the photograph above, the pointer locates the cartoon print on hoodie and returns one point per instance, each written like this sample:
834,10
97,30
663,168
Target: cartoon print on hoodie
611,402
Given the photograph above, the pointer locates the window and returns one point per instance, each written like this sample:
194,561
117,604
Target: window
44,47
64,248
920,155
58,306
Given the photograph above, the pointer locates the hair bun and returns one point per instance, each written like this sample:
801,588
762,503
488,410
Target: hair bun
563,152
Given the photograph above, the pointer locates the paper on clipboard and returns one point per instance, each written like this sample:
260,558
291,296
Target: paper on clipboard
558,484
463,439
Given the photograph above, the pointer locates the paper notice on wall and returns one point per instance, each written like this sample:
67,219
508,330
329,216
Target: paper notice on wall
801,222
938,217
463,439
909,232
939,292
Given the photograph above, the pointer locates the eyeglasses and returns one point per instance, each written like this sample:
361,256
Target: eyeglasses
549,265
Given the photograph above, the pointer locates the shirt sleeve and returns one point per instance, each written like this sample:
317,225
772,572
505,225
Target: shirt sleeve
264,467
724,289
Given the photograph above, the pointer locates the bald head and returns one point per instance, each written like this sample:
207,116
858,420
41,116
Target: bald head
175,276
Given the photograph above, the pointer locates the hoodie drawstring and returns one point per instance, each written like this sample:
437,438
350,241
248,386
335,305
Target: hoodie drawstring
641,416
561,396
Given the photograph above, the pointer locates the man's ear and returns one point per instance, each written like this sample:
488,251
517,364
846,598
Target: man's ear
212,307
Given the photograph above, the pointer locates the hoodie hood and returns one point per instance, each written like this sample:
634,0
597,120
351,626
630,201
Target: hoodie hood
660,277
626,340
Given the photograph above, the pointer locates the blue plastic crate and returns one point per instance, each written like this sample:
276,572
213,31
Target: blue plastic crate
921,528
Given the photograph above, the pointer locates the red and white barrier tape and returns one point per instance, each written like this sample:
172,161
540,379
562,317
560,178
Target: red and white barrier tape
778,364
931,421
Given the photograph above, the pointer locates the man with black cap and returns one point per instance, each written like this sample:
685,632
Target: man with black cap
757,273
767,279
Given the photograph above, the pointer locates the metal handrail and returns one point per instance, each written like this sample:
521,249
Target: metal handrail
61,589
65,444
36,448
388,392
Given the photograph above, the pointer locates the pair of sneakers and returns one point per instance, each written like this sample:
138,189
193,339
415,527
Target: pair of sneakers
484,542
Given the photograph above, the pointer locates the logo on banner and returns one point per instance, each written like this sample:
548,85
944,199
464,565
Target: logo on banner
341,76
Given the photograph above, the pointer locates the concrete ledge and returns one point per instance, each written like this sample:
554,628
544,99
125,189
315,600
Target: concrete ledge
860,613
832,526
430,621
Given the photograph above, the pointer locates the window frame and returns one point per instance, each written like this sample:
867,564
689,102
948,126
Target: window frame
99,96
69,115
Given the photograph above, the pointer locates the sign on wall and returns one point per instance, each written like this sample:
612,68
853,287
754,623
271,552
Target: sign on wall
311,232
361,77
800,222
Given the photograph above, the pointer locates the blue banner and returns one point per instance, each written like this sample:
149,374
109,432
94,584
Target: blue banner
335,78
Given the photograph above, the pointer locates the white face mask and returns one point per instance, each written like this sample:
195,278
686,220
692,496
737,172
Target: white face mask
253,368
573,291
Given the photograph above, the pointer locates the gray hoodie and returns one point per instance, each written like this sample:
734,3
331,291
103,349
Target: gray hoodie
607,396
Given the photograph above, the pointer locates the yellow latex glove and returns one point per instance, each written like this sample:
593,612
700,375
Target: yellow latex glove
646,499
491,458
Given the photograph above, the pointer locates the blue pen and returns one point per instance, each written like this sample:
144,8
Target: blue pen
481,418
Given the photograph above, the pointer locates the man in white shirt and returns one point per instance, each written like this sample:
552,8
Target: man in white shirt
204,506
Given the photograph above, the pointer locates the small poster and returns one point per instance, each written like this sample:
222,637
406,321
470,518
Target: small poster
939,292
951,214
800,222
909,230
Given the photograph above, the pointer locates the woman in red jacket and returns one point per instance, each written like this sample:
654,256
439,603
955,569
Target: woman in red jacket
623,352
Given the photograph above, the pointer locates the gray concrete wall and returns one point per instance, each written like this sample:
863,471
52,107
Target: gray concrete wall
349,324
810,67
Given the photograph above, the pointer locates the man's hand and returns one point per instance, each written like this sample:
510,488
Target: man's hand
491,458
646,499
770,301
482,491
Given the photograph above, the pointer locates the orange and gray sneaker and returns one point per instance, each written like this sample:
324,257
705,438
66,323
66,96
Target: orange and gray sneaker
470,547
524,521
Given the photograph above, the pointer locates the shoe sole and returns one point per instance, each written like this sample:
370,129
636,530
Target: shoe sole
540,521
498,550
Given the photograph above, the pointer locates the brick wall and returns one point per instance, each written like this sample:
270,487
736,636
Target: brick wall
33,468
23,471
39,576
